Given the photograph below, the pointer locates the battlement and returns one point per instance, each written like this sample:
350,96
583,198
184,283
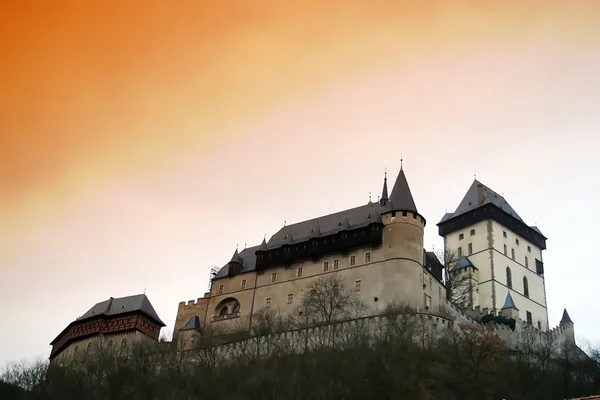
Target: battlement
195,303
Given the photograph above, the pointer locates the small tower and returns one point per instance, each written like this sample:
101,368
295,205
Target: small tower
509,309
402,247
384,193
568,326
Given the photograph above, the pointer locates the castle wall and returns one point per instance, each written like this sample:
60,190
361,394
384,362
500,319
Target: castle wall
185,311
491,258
535,303
120,341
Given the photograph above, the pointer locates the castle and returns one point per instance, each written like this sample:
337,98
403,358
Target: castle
377,250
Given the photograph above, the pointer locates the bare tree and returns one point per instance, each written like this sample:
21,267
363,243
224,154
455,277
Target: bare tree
458,281
328,299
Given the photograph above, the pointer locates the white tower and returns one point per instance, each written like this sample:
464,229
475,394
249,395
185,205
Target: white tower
505,250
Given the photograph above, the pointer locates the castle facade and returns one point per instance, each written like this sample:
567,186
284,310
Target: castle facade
377,250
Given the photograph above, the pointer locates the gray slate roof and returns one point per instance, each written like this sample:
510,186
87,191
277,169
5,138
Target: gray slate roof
463,262
401,196
509,302
328,225
192,325
123,305
470,202
246,257
565,318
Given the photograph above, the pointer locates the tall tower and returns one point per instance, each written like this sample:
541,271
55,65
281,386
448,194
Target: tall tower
401,273
505,251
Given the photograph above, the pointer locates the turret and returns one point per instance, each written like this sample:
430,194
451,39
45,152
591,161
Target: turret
509,309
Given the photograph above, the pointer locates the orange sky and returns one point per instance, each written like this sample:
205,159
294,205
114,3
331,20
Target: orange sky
101,95
102,87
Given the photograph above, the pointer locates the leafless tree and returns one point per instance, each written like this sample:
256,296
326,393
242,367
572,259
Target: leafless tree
458,282
328,299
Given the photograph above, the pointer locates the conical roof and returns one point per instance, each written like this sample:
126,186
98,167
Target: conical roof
401,197
565,318
509,302
384,194
192,325
236,258
263,245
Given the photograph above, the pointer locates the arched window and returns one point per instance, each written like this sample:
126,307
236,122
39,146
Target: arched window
508,278
224,311
236,308
525,287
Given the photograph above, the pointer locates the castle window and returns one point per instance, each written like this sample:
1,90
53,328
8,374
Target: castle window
236,308
470,248
517,242
461,236
268,302
527,262
525,287
274,277
290,298
529,249
299,272
326,266
76,349
124,342
539,324
427,302
504,234
368,257
512,253
460,252
89,346
357,285
508,278
529,318
221,288
404,214
224,311
414,215
243,284
472,233
505,250
336,264
352,260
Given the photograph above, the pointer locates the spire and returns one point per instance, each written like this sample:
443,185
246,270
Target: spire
263,245
236,258
509,303
565,318
401,197
384,194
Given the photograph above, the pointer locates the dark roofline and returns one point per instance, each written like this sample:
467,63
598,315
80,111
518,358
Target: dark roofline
103,317
491,211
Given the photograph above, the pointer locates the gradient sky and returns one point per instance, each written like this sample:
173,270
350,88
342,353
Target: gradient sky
140,141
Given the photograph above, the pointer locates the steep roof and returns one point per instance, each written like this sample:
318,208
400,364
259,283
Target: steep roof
463,262
192,325
123,305
247,258
328,224
565,318
401,197
509,302
384,193
472,201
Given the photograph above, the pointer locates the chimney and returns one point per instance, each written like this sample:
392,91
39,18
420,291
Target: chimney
479,194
